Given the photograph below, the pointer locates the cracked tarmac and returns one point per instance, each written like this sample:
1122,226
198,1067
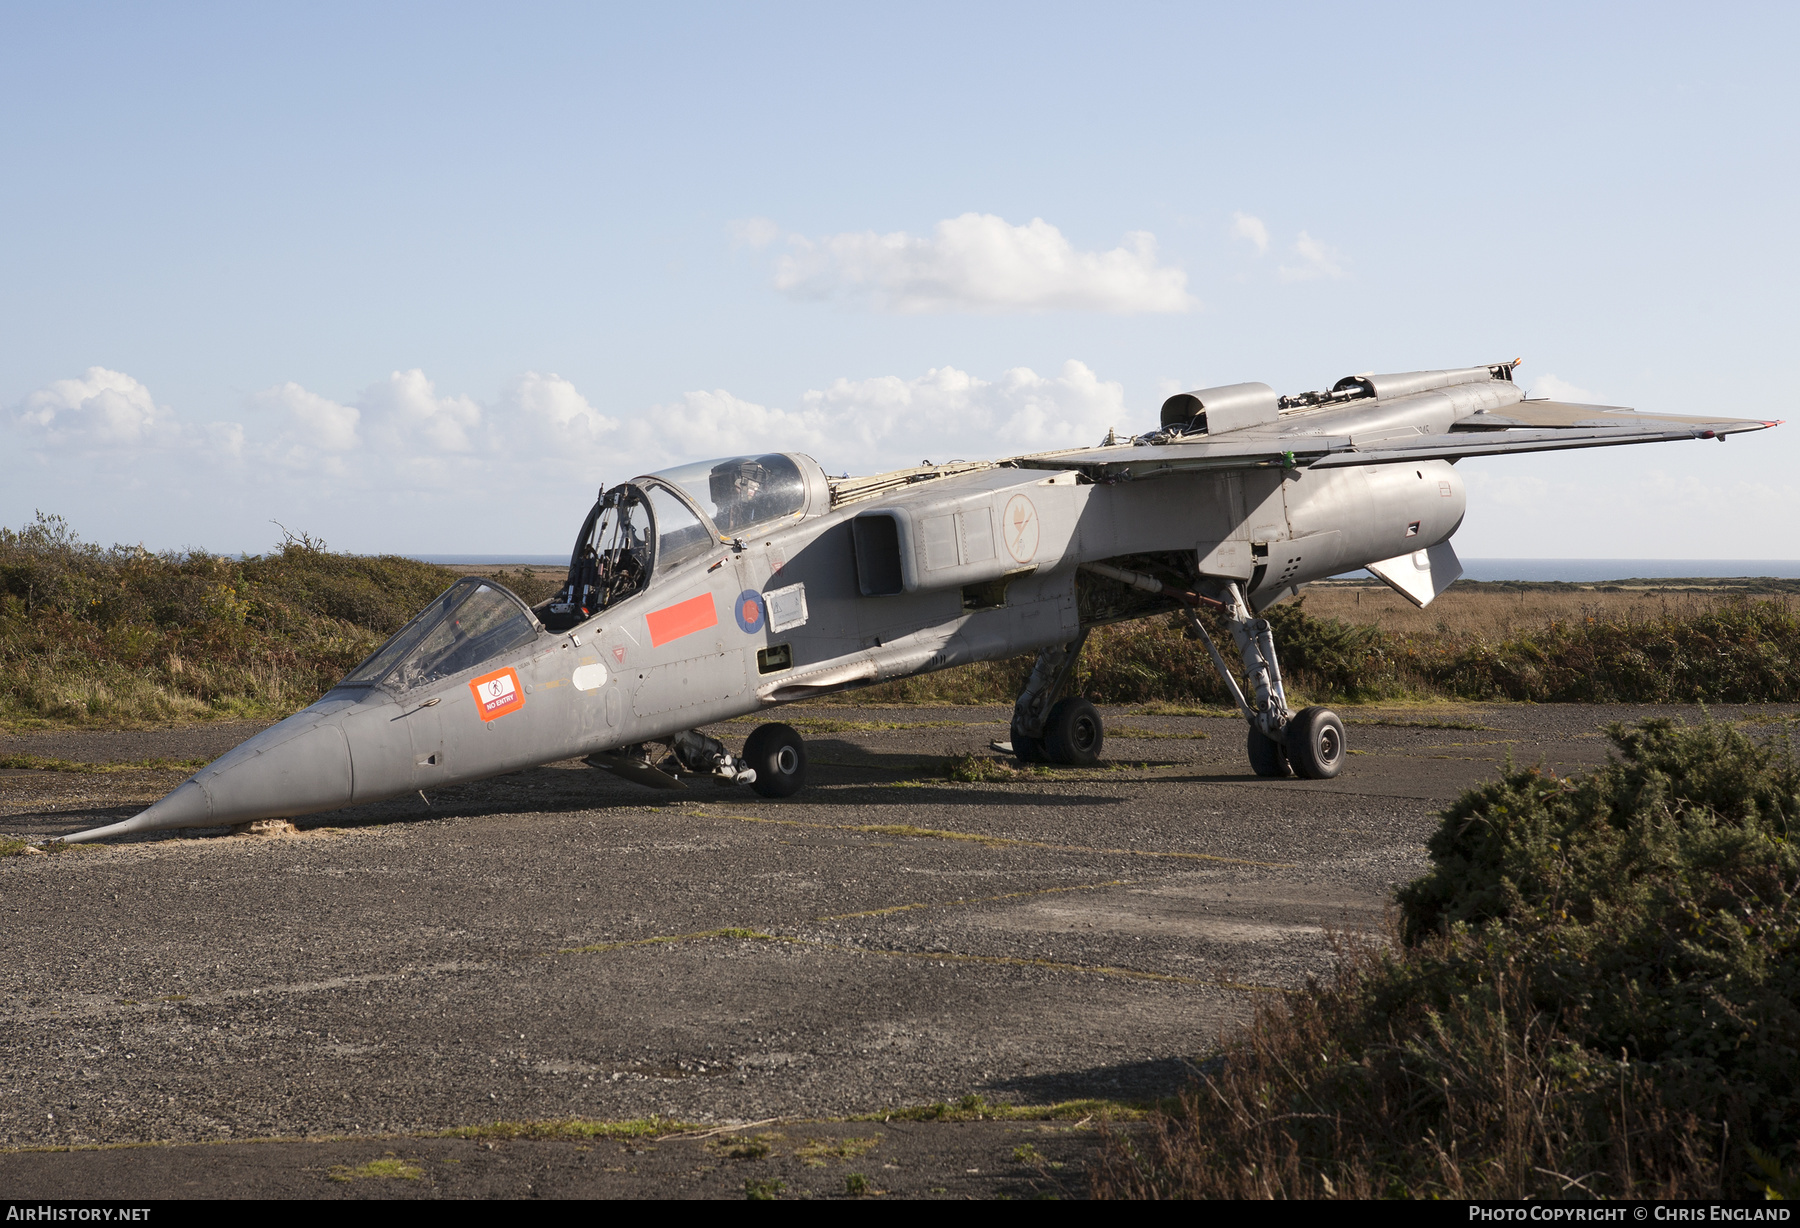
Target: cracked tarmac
560,944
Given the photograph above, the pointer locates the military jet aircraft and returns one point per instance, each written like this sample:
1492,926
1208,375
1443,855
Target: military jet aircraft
733,586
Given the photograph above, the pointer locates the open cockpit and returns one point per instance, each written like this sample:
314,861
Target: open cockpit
652,525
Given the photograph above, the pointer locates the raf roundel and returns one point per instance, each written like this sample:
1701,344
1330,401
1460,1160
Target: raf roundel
749,611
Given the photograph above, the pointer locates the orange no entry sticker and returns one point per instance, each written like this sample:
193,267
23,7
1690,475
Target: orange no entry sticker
497,693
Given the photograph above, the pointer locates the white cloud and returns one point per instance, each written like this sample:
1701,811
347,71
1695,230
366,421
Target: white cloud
870,425
1252,230
399,437
318,422
947,413
405,410
1551,388
401,466
754,232
1314,260
979,263
102,409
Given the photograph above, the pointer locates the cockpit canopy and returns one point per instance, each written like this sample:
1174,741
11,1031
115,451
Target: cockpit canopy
740,491
649,526
471,622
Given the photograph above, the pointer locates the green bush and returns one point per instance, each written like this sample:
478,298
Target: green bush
1594,992
93,636
1746,650
1651,905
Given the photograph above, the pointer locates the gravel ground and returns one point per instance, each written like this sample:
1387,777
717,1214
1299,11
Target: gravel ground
559,944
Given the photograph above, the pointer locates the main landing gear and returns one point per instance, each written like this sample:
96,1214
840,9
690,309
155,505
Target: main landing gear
1308,743
1046,729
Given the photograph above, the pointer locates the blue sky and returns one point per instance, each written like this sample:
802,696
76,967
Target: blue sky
419,278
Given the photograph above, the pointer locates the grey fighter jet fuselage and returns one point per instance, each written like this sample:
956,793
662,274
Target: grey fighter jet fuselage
729,587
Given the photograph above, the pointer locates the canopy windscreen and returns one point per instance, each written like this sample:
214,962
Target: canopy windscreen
470,623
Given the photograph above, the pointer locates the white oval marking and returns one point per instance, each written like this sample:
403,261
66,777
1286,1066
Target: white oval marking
589,677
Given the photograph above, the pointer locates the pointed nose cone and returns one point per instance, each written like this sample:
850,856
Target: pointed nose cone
300,766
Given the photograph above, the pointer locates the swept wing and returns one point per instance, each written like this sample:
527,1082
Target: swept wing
1525,426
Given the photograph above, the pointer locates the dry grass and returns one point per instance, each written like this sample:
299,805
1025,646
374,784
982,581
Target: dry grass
1498,611
1499,642
580,1129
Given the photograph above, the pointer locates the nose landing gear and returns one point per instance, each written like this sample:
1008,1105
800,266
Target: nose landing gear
777,753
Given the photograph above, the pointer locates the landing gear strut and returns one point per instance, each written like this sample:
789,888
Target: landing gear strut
691,753
1309,743
1046,729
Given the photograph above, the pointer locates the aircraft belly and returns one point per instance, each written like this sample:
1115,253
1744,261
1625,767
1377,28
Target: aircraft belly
1301,560
1015,629
1378,511
883,618
691,683
1173,513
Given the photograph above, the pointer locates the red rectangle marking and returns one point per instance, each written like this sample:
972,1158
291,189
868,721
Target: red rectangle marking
682,618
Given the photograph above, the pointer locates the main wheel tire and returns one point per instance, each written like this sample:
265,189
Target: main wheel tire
1267,756
778,753
1073,733
1315,743
1027,749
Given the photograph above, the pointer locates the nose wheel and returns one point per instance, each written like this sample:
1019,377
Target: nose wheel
778,753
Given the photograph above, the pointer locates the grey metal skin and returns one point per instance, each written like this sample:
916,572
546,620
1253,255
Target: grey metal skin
924,569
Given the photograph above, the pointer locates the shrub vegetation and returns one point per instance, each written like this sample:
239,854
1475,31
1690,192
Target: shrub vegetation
1744,650
122,636
90,635
1594,992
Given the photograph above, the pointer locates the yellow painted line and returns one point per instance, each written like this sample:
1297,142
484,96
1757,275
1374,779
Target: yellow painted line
1012,961
986,899
924,833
